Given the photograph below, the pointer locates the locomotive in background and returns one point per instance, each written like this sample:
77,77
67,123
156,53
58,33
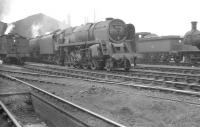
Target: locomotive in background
169,49
14,48
107,44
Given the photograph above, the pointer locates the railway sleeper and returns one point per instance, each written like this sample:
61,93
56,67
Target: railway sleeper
150,76
187,71
192,80
109,76
144,75
157,77
193,76
179,79
140,75
195,87
178,70
195,72
172,74
100,75
40,81
159,73
137,80
169,78
157,82
143,80
115,77
181,86
146,81
172,84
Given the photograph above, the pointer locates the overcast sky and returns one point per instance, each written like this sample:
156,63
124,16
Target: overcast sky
162,17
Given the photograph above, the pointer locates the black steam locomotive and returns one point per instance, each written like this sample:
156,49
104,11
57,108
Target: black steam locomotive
107,44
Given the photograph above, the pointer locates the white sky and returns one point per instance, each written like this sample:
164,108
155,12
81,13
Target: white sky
163,17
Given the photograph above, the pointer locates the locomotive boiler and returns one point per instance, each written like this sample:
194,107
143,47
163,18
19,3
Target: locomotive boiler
110,30
14,48
107,44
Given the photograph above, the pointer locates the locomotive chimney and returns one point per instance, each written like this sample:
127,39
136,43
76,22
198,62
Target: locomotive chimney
194,25
109,18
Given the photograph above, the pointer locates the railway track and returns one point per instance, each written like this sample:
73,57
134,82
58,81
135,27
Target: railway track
155,75
123,80
176,69
24,74
6,118
166,76
75,115
156,97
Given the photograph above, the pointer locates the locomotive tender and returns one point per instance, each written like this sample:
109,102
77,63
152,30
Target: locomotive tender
107,44
159,49
167,49
14,48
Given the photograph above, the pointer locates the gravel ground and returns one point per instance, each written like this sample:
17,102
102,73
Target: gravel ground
15,67
127,106
20,105
10,87
130,107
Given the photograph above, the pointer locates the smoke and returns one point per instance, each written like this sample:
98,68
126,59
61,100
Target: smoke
36,25
9,28
4,8
44,25
36,30
47,33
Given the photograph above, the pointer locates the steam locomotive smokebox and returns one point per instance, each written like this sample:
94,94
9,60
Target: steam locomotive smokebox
192,37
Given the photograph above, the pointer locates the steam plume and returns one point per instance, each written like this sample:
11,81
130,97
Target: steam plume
9,28
36,30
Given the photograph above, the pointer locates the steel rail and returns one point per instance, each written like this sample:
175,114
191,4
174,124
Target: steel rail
152,80
61,100
9,114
